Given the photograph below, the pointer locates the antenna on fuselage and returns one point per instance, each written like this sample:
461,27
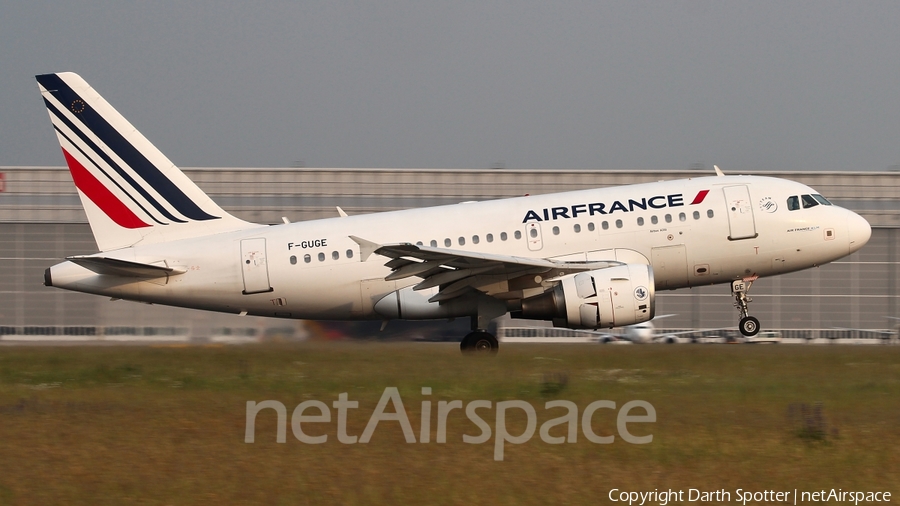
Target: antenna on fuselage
718,171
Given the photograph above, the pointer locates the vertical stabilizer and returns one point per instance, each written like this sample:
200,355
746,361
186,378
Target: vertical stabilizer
130,191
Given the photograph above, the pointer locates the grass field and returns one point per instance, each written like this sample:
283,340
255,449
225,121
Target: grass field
165,425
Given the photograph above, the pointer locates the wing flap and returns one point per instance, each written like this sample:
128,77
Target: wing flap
410,268
457,272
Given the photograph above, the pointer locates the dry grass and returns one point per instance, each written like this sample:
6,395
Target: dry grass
165,425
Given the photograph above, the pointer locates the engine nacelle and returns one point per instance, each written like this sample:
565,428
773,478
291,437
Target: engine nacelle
605,298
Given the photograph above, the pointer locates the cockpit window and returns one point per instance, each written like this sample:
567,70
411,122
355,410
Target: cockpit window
793,203
822,200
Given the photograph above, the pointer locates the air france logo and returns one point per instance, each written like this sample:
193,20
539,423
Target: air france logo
625,206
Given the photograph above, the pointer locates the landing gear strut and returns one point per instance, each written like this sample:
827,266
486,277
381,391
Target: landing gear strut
479,341
748,325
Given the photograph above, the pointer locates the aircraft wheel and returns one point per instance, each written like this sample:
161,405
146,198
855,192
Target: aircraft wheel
479,342
749,326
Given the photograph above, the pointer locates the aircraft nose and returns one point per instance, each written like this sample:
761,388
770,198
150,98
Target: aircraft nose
859,231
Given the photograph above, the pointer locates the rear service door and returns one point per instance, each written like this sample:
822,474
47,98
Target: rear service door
254,267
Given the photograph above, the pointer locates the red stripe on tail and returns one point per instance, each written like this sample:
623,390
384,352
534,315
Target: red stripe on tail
700,196
101,196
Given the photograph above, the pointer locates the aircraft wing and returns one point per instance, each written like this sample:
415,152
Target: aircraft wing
457,272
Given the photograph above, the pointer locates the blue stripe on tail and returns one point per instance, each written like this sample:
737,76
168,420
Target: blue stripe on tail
96,149
127,152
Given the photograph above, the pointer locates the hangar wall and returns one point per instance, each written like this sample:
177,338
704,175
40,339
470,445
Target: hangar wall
41,221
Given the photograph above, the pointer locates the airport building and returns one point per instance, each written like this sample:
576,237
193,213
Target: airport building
41,222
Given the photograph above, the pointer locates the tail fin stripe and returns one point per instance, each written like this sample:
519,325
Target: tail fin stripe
123,148
101,196
92,146
99,168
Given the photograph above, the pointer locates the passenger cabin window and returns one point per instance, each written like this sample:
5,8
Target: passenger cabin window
577,228
503,236
518,234
489,237
591,226
433,243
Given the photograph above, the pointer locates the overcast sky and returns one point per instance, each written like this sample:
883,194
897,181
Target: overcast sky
609,85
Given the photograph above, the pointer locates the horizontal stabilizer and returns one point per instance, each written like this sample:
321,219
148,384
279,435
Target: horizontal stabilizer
116,267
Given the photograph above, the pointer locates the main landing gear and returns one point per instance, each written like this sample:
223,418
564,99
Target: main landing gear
479,341
748,325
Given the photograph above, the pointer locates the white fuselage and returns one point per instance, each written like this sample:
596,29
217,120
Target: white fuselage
740,228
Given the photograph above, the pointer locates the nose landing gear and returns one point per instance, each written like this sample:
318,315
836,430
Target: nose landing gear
749,325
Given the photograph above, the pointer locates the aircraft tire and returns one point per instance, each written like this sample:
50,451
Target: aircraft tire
749,326
479,342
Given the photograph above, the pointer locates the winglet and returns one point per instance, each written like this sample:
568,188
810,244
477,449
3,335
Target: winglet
366,248
718,171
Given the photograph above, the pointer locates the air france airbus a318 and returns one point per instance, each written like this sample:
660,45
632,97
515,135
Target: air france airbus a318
584,259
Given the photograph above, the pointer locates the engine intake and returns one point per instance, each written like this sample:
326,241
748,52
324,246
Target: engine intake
605,298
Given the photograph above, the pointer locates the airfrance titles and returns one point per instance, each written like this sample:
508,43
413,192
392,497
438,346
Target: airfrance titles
603,208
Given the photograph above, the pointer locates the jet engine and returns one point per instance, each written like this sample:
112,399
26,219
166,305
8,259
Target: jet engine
604,298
